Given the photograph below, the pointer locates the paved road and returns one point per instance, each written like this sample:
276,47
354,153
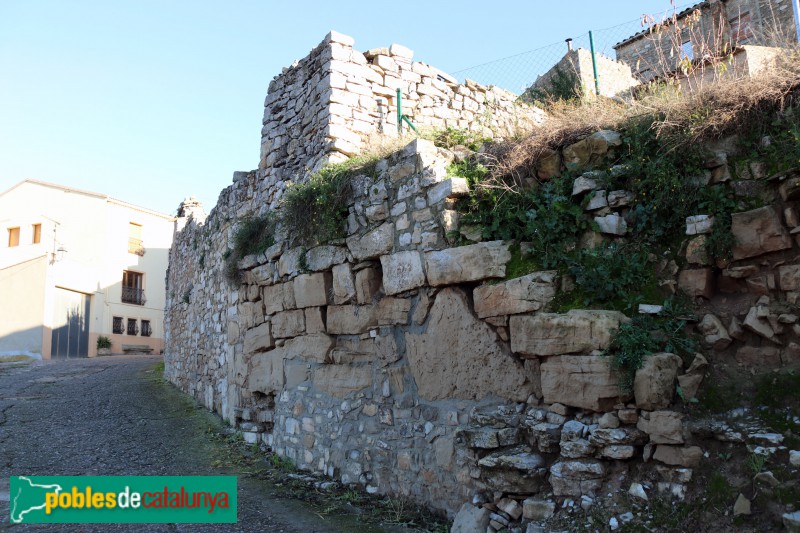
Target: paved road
115,416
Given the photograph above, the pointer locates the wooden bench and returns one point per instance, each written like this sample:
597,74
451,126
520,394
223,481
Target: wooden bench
136,348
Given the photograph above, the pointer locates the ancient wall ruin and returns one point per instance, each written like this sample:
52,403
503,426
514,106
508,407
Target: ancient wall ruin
329,105
394,360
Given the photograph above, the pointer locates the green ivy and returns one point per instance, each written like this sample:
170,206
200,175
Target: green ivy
660,180
611,275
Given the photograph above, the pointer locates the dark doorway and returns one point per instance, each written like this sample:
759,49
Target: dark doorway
71,324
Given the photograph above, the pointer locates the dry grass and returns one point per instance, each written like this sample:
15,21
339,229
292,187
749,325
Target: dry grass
512,161
678,118
382,146
721,108
14,358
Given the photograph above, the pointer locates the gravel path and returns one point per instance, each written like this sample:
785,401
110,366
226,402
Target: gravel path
115,416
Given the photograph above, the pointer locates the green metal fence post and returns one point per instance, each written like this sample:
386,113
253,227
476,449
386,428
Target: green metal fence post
594,65
399,112
401,117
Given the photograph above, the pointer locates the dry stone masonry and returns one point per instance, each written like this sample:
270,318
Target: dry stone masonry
327,106
392,360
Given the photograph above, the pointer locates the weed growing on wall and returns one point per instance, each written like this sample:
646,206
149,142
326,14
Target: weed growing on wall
611,275
543,216
451,137
253,235
645,335
563,86
315,211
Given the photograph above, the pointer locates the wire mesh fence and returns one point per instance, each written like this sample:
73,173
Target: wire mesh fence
518,72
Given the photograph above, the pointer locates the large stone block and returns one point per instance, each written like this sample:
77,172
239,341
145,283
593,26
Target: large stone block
697,282
664,427
368,283
350,319
676,456
591,150
516,469
391,311
250,314
449,188
654,384
315,347
342,380
617,436
312,290
519,295
471,519
714,332
402,272
315,319
549,164
459,356
295,372
577,477
789,277
467,263
324,257
288,324
344,285
289,262
258,339
578,331
758,232
585,381
266,372
278,297
375,243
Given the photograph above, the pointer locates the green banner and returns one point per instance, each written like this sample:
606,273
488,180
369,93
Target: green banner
122,499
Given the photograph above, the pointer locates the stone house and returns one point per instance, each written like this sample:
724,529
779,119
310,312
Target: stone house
709,29
75,265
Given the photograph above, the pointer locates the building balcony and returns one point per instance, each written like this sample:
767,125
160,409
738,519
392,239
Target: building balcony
132,295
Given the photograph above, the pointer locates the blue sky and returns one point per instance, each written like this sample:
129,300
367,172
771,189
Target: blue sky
151,101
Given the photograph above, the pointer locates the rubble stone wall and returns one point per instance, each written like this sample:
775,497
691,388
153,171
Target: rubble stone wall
331,104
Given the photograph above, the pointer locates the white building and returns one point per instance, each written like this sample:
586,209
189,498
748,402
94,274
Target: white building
75,265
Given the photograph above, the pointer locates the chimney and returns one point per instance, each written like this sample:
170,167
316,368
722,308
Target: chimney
568,40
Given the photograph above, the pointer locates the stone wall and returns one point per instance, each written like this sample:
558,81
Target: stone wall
614,77
226,345
396,361
329,105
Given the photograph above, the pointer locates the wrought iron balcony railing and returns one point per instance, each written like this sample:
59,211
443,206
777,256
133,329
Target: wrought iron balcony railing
132,295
